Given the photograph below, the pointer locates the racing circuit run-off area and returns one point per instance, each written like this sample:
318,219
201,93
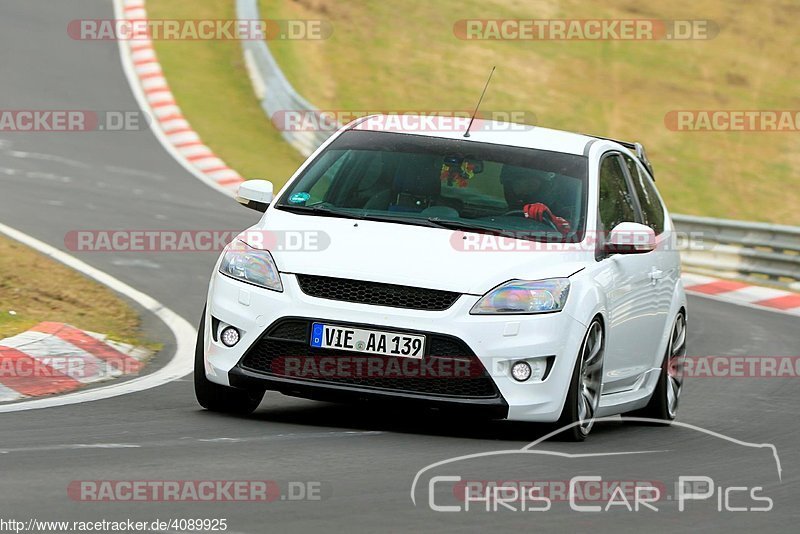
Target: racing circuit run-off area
386,267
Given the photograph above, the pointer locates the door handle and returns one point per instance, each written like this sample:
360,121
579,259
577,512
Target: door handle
656,275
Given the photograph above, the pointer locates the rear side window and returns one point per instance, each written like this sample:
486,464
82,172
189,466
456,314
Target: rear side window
652,209
616,204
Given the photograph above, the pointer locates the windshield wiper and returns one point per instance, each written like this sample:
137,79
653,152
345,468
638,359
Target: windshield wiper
325,211
399,219
320,210
429,222
466,226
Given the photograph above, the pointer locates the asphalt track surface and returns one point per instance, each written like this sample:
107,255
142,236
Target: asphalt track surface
364,458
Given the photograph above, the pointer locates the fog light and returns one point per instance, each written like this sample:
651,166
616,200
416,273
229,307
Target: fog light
230,337
521,371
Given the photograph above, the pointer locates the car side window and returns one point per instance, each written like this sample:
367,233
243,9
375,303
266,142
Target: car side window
616,203
652,209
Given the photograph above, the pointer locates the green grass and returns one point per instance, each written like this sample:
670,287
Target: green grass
210,83
385,55
45,290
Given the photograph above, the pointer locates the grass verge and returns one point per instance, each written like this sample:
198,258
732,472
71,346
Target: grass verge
210,83
385,56
35,288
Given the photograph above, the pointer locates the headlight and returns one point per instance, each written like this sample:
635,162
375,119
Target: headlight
250,265
519,296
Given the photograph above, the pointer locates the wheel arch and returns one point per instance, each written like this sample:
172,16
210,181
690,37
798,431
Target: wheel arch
677,305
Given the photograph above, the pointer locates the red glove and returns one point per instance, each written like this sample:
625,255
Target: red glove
562,224
538,211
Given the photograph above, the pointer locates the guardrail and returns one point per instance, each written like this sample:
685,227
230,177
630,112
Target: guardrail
739,249
272,88
733,249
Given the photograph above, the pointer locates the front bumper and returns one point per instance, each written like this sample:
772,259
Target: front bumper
496,341
494,408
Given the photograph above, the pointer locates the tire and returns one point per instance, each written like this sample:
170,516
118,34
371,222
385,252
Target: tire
663,405
215,397
583,396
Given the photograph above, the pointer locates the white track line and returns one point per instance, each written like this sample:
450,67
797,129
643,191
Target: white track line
185,334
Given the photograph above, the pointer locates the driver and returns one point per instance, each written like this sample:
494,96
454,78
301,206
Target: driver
528,190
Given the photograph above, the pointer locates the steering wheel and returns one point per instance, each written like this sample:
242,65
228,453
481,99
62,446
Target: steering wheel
546,220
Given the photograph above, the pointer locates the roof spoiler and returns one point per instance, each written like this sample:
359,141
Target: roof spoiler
637,148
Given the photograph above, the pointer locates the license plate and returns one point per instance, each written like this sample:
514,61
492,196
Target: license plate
370,341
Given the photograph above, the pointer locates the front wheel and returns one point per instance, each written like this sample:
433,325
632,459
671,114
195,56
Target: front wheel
663,404
583,396
216,397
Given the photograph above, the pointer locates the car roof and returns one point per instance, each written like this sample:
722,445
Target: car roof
482,131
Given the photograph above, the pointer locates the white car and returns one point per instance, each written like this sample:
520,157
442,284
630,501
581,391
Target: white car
517,273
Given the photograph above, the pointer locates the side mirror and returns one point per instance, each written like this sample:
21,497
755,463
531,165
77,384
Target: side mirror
631,238
255,194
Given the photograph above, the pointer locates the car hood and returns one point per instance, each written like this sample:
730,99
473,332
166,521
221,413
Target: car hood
404,254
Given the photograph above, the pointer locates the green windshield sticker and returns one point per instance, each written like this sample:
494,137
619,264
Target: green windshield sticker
299,198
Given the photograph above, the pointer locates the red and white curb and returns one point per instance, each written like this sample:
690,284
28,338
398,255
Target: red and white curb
55,358
167,116
743,293
183,333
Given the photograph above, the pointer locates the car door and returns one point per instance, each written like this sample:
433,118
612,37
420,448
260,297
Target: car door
665,269
632,330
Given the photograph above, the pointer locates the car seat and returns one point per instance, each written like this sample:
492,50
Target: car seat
416,184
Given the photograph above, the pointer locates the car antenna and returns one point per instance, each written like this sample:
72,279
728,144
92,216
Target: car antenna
466,134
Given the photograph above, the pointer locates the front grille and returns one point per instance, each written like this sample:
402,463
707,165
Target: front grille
450,368
376,293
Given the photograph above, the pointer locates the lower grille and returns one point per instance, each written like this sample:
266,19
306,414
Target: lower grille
448,369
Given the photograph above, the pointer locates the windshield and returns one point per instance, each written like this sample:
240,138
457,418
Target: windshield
450,183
